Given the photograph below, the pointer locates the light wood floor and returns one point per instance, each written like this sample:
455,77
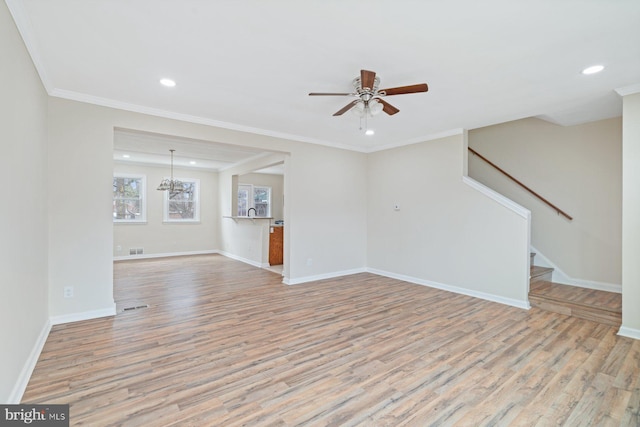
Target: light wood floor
599,306
226,344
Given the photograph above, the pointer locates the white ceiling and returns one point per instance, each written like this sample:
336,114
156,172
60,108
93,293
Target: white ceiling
250,64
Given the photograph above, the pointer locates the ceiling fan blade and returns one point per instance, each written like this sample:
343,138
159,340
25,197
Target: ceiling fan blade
388,108
367,78
421,87
346,108
329,94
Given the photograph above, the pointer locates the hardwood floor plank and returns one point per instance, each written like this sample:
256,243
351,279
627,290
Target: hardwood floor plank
631,416
611,409
628,375
224,343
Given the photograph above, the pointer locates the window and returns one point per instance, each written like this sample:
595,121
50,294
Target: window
183,206
129,198
244,196
262,200
256,197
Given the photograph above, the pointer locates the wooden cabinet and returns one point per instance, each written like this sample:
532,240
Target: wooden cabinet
276,245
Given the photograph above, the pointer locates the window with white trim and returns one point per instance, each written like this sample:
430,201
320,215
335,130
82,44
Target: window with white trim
185,205
129,203
256,197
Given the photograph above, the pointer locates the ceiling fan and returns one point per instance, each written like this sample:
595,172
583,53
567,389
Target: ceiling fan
369,100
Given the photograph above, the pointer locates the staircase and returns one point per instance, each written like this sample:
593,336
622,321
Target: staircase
597,306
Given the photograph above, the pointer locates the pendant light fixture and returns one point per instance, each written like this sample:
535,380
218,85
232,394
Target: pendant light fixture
174,186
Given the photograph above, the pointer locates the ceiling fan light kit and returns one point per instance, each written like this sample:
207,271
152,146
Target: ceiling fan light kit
369,98
369,109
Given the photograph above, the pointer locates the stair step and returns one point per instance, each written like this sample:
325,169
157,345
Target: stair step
598,306
539,274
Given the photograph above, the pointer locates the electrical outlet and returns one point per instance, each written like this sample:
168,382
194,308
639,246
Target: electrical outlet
119,248
309,262
68,291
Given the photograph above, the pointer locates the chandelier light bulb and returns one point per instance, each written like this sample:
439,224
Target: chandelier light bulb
375,107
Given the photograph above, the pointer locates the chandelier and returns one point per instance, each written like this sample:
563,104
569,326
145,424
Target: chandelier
174,186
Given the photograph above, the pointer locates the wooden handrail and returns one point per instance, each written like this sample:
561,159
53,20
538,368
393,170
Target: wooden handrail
548,203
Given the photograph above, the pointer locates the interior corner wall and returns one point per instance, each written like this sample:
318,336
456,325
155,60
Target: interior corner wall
444,232
157,237
578,168
24,312
325,212
631,216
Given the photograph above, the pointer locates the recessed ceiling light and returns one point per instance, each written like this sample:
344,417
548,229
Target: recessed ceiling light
369,132
593,69
192,162
167,82
126,156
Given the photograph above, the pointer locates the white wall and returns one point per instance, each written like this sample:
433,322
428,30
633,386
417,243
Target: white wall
446,233
631,217
80,224
24,311
246,240
578,168
158,237
326,212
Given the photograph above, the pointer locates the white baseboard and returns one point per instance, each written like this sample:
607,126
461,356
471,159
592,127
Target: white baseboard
559,276
489,297
25,374
524,304
245,260
331,275
27,369
164,255
629,332
85,315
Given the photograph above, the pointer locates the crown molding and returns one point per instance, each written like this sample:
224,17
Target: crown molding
430,137
20,17
628,90
106,102
111,103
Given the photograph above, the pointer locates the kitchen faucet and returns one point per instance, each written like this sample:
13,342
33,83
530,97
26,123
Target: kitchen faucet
255,212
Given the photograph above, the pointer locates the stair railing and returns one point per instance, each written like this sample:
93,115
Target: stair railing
545,201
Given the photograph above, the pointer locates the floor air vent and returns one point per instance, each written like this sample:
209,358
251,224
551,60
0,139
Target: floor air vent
134,307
